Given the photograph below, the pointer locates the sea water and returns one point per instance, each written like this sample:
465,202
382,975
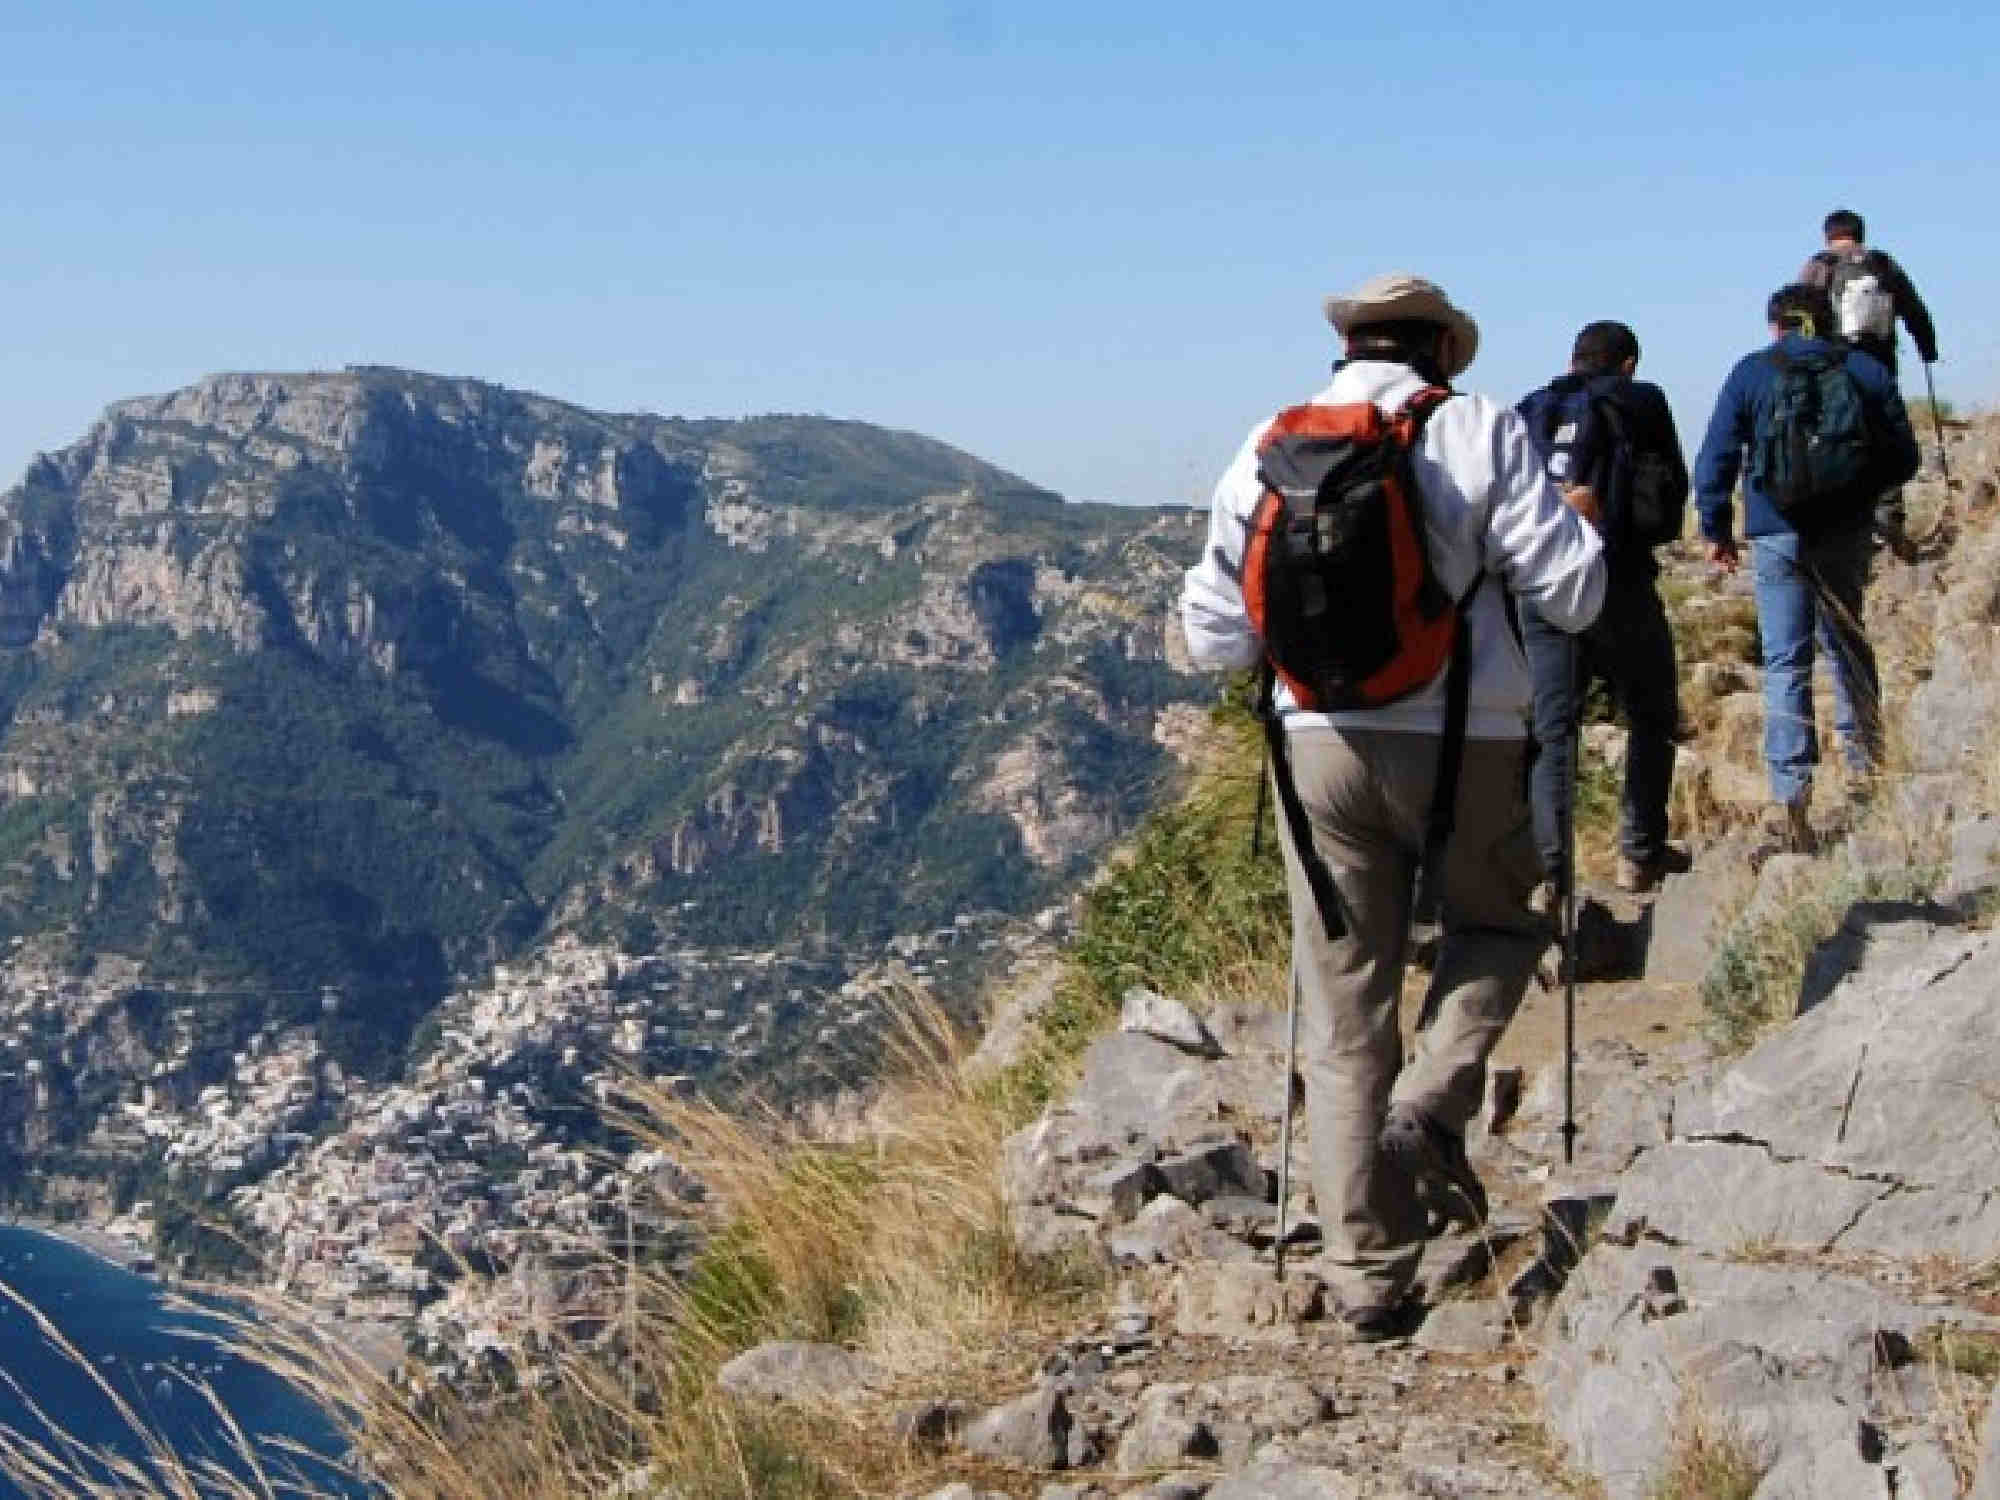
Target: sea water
170,1361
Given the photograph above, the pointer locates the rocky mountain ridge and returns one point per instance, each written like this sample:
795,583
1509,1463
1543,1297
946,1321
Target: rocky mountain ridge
1770,1273
320,693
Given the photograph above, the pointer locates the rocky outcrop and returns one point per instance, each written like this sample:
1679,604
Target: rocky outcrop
1798,1211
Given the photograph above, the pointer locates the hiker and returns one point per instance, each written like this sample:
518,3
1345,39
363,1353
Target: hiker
1356,784
1611,441
1825,430
1870,292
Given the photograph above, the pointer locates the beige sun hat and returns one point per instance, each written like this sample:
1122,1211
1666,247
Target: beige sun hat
1398,296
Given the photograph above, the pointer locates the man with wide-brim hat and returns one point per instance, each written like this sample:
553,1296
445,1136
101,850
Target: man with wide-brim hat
1387,1138
1399,299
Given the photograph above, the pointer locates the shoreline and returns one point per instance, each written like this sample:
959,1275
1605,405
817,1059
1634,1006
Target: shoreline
377,1344
115,1250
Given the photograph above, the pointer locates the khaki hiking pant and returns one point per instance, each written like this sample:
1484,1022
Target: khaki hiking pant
1367,794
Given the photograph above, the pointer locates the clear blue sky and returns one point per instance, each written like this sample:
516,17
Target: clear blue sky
1087,242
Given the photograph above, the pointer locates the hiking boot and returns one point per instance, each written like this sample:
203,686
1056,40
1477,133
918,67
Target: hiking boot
1785,824
1434,1158
1638,876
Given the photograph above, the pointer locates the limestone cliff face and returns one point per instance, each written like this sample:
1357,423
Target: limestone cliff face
369,676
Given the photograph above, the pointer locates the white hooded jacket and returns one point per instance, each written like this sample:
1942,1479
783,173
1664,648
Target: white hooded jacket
1488,504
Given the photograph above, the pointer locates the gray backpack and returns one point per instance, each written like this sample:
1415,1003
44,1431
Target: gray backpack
1862,301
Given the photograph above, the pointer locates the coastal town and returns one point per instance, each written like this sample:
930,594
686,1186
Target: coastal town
478,1205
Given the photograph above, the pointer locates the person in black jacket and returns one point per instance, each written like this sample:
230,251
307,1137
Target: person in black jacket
1594,426
1870,293
1867,325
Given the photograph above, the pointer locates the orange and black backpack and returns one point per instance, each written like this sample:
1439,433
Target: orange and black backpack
1338,583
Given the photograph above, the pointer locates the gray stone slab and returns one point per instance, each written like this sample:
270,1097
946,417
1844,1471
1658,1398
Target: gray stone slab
1164,1230
1884,1078
1465,1327
1281,1479
1030,1432
1212,1169
789,1370
1681,942
1155,1015
1731,1197
1789,1356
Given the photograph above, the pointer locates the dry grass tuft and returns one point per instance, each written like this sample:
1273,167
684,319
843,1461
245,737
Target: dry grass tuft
1710,1459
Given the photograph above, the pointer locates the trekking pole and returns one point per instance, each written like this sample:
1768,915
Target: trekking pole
1569,911
1285,1123
1937,424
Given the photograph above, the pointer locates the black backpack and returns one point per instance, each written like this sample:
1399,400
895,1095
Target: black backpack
1588,435
1337,581
1813,451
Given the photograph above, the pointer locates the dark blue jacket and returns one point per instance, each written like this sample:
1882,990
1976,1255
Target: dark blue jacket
1730,430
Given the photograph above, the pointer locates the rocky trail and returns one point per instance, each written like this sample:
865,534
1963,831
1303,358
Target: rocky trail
1785,1258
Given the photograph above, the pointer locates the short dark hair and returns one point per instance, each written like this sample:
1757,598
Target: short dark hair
1403,341
1603,346
1845,224
1799,308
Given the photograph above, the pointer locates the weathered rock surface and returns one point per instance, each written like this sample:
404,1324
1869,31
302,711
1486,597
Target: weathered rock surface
1282,1480
793,1371
1035,1431
1730,1284
1848,1129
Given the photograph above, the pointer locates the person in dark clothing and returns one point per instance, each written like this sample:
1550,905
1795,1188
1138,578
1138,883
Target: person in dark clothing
1630,646
1870,294
1810,572
1865,322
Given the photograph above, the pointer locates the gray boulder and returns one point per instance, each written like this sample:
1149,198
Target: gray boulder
1789,1357
1848,1128
1140,1099
1035,1431
1680,942
1212,1169
1282,1479
791,1371
1463,1327
1224,1420
1166,1230
1155,1015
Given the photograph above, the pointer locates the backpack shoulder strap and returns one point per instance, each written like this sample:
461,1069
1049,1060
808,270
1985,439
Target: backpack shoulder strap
1298,826
1410,417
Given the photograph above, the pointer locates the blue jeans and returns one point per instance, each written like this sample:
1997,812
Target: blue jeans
1810,589
1631,649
